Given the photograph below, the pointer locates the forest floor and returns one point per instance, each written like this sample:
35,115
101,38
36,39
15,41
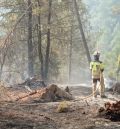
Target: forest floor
81,114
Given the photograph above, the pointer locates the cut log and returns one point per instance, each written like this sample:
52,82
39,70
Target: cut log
53,92
50,93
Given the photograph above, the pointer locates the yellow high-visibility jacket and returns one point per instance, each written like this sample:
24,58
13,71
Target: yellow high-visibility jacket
97,67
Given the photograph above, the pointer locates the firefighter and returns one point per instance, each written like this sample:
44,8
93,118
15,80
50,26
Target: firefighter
97,68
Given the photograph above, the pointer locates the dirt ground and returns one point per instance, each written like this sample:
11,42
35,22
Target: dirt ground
81,114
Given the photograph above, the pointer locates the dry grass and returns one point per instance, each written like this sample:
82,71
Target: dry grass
63,107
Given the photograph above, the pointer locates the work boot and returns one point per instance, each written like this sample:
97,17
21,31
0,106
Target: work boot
95,96
103,96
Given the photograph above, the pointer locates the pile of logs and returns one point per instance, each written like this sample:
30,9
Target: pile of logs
111,111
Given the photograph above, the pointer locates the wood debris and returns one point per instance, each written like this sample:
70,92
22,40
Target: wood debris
50,93
110,111
115,88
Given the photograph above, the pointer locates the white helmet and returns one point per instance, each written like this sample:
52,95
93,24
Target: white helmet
96,53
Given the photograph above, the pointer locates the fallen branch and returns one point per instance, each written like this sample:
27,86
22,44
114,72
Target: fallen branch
22,97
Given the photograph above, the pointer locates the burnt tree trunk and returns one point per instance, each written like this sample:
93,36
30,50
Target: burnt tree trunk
70,55
30,45
40,45
82,31
4,53
48,42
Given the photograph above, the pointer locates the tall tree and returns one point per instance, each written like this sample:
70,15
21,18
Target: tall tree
48,40
51,39
40,44
30,45
70,54
82,31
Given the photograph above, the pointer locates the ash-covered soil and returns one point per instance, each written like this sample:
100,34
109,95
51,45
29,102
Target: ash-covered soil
81,114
